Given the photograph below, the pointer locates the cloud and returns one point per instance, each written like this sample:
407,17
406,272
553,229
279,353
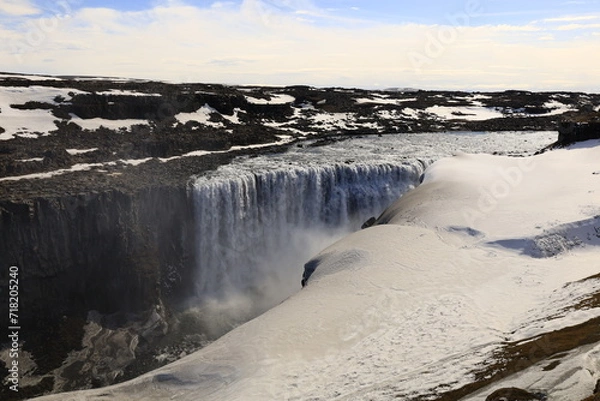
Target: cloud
572,18
573,27
259,42
17,8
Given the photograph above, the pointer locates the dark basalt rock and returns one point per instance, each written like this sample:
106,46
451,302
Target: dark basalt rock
309,269
515,394
570,131
369,223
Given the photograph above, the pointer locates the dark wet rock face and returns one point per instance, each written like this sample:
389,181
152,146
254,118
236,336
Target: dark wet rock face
570,131
96,210
515,394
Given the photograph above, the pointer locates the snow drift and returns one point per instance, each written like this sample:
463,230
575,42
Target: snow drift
489,256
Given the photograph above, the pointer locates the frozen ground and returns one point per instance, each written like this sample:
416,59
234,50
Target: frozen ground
428,301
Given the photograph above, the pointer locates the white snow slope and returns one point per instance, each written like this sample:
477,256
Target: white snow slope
489,250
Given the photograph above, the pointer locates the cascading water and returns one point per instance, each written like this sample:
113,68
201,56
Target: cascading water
259,220
255,231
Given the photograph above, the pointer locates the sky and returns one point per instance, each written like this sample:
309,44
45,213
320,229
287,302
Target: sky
479,45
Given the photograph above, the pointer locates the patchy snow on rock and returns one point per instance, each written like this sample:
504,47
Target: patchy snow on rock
333,121
557,108
49,174
33,159
389,114
235,118
197,153
469,113
74,152
121,92
411,113
382,99
413,307
93,124
29,77
202,116
275,99
29,123
35,93
25,123
136,162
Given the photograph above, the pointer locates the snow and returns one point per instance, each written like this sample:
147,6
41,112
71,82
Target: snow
411,308
29,123
469,113
235,118
275,99
136,162
202,116
25,123
384,100
557,108
34,93
33,159
412,113
332,121
74,168
196,153
93,124
29,77
74,152
121,92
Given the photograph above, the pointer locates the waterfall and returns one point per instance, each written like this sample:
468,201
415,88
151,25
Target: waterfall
255,231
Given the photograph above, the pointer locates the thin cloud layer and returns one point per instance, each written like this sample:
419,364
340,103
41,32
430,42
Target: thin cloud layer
295,42
17,8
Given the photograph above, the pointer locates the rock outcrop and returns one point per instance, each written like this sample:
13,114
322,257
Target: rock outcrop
515,394
570,132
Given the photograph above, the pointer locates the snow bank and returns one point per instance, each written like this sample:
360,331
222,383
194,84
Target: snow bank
29,123
383,99
29,77
74,168
75,152
469,113
274,99
121,92
93,124
202,116
413,307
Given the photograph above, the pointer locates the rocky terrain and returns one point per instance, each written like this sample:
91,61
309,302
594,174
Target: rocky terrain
94,200
121,132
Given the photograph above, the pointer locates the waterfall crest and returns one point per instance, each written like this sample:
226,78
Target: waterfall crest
255,231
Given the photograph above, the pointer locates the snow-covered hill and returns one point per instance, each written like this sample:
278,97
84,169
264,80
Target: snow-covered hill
485,276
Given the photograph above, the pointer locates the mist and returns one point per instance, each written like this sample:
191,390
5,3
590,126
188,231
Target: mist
255,231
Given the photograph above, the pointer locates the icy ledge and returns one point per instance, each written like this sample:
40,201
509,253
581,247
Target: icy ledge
442,301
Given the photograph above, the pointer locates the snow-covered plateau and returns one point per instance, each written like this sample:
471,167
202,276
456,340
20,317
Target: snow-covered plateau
484,276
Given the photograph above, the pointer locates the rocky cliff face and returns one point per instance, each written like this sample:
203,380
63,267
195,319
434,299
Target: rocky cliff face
106,251
111,252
